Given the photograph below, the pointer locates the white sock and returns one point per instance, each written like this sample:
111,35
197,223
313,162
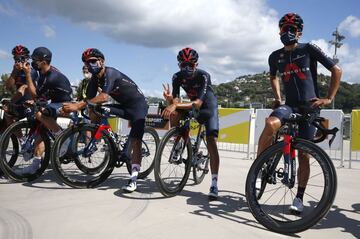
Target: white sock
214,180
135,169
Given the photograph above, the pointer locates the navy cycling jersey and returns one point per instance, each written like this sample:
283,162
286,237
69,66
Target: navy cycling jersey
298,71
20,79
196,87
116,84
54,86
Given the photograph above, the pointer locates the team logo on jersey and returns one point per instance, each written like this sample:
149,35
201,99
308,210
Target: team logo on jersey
292,68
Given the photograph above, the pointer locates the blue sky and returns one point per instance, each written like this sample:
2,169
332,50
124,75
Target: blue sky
141,38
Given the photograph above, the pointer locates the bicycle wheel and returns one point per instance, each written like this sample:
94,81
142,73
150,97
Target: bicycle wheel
150,143
16,157
172,163
269,199
201,164
76,164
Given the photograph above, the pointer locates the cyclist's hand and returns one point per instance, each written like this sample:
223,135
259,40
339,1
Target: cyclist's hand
316,102
168,111
166,93
27,68
70,107
276,103
22,89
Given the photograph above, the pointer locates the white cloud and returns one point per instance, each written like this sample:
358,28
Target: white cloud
352,25
349,60
48,31
233,37
7,10
4,55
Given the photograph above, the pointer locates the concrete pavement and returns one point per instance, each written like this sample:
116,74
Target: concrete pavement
48,209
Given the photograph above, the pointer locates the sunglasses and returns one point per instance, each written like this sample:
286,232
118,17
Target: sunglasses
20,60
289,28
187,63
92,61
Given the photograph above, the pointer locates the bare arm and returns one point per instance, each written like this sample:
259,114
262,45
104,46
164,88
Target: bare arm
29,81
275,85
335,82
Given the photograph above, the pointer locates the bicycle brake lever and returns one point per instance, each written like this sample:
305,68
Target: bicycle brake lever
334,131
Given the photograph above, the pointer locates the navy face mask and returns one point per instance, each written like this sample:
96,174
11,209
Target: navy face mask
288,38
35,65
94,68
188,69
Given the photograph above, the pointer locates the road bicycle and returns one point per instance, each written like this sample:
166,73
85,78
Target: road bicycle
93,150
179,152
271,183
18,143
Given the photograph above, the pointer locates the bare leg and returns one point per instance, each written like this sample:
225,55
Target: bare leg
272,125
214,154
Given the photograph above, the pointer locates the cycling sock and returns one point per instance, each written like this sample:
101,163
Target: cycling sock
135,169
300,193
214,179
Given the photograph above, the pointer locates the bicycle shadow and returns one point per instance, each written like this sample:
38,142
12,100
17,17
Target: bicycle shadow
337,218
229,206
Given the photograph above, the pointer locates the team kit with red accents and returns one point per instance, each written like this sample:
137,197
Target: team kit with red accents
295,63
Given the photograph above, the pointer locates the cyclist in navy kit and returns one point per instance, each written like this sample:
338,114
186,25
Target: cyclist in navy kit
52,86
296,64
15,110
197,85
130,103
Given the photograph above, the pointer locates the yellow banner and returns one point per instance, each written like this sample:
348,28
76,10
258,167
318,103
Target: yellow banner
355,130
234,126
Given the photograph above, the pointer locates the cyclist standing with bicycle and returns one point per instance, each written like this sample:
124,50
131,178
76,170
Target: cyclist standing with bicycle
131,103
197,85
296,63
53,86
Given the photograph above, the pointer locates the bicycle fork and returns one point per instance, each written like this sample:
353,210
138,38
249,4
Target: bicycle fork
289,153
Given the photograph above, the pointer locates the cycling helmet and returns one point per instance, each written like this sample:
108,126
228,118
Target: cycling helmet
292,19
20,51
91,52
187,55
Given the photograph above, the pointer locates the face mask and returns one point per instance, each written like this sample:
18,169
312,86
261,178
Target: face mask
94,68
288,38
35,66
87,75
188,69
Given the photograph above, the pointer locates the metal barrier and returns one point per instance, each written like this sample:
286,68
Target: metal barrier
354,146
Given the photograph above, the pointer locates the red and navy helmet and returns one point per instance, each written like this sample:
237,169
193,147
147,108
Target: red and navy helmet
292,19
91,52
20,51
187,55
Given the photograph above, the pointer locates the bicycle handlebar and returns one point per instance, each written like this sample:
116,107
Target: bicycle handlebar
316,122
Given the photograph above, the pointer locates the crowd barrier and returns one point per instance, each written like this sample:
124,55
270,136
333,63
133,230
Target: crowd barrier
354,149
240,130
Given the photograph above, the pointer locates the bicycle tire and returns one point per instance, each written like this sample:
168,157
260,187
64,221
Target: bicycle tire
147,149
10,169
200,172
315,214
85,178
168,186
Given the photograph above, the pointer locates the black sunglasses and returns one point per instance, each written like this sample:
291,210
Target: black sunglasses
92,61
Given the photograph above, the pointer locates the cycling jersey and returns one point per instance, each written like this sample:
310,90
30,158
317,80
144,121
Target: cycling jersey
54,86
20,79
199,87
196,87
116,84
131,101
298,71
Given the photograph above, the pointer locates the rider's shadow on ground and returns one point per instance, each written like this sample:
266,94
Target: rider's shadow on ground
337,217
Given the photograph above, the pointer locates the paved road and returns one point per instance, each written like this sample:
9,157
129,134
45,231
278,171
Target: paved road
48,209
